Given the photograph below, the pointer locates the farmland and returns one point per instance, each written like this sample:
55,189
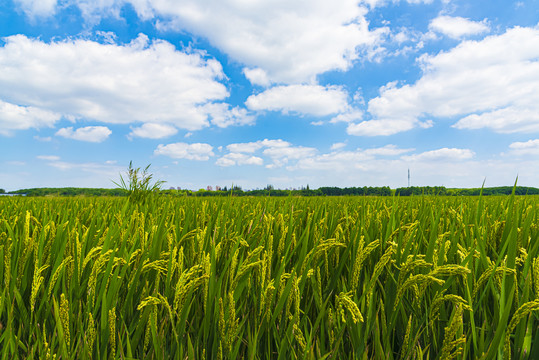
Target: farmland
269,278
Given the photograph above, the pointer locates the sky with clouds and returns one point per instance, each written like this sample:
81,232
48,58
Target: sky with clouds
257,92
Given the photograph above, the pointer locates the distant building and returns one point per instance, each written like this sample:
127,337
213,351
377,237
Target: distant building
209,188
217,188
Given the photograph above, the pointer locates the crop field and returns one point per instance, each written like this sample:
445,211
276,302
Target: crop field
263,278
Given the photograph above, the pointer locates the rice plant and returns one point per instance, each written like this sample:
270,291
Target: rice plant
266,278
139,185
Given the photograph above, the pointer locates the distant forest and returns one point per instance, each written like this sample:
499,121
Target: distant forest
270,191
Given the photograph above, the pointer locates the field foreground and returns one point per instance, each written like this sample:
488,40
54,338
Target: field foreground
264,278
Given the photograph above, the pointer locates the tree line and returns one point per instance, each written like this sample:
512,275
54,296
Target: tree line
442,191
304,191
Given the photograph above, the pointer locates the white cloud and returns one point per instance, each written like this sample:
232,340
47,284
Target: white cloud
280,152
457,27
379,127
44,139
48,157
225,162
153,131
422,1
337,161
143,81
196,151
290,41
250,147
348,117
83,174
108,171
34,8
306,38
387,166
338,146
530,147
88,133
507,120
289,152
490,83
15,117
313,100
387,150
223,116
440,155
278,143
342,160
257,76
376,3
238,159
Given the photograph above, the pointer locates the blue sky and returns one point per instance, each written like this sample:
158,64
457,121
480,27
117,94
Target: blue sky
288,93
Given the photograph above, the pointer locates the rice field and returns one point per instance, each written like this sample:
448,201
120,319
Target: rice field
265,278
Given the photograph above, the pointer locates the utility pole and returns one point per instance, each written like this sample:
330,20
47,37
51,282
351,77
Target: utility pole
408,177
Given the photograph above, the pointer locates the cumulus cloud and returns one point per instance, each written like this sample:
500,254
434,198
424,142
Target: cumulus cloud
250,147
281,155
88,133
153,131
37,8
380,127
257,76
238,159
339,160
307,37
143,81
375,3
444,154
336,161
338,146
387,150
389,164
457,27
196,151
14,117
348,117
530,147
222,115
507,120
48,157
492,83
313,100
278,151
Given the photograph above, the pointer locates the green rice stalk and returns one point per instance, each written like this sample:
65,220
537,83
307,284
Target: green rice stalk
64,318
452,347
36,284
56,274
344,301
112,333
520,314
